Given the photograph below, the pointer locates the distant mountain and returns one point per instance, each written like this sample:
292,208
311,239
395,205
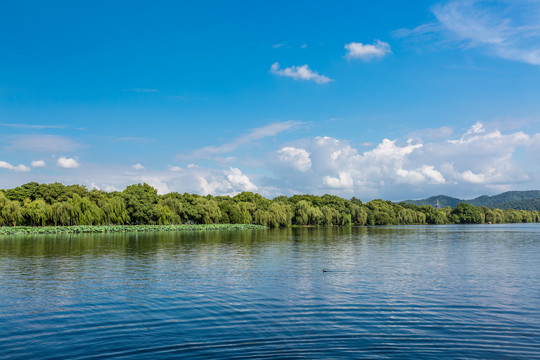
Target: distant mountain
529,204
519,200
509,196
444,201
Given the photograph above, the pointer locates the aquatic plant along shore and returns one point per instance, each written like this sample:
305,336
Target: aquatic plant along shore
78,229
44,205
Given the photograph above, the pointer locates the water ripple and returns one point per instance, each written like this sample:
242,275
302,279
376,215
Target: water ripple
394,293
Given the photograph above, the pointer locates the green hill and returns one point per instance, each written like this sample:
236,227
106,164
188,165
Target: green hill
529,204
444,201
506,197
519,200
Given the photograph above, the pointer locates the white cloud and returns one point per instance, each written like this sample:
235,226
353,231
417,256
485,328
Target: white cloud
107,188
477,128
157,183
367,52
334,166
295,157
410,176
389,150
471,177
240,181
478,160
344,181
37,163
432,174
67,163
228,182
299,73
43,144
501,28
19,168
424,174
110,188
470,162
251,136
115,177
138,167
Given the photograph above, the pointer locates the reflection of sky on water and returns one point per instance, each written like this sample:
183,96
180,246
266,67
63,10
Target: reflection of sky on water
398,281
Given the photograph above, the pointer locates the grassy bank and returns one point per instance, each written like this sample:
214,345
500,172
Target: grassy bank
13,230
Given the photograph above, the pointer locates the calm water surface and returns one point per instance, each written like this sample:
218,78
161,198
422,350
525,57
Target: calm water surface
389,292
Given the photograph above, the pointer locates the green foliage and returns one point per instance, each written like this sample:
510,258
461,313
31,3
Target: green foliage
10,211
306,214
140,200
466,214
282,214
62,213
209,212
115,210
45,205
382,212
37,212
434,216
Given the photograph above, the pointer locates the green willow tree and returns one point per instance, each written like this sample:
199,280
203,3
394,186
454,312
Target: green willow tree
35,204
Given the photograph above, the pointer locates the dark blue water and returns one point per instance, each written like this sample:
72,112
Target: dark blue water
390,292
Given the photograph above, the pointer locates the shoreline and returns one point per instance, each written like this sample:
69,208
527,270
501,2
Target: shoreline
88,229
96,229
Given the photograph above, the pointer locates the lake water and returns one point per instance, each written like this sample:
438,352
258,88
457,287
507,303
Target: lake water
388,292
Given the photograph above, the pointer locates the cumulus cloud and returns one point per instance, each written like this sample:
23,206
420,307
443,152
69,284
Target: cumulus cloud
505,29
367,52
433,175
344,180
19,168
299,73
478,160
239,180
296,158
157,183
138,167
410,176
423,174
67,163
115,177
37,163
469,162
228,182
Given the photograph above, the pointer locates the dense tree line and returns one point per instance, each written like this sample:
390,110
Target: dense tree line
36,204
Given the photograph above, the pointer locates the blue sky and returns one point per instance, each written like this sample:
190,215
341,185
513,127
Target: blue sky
386,99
